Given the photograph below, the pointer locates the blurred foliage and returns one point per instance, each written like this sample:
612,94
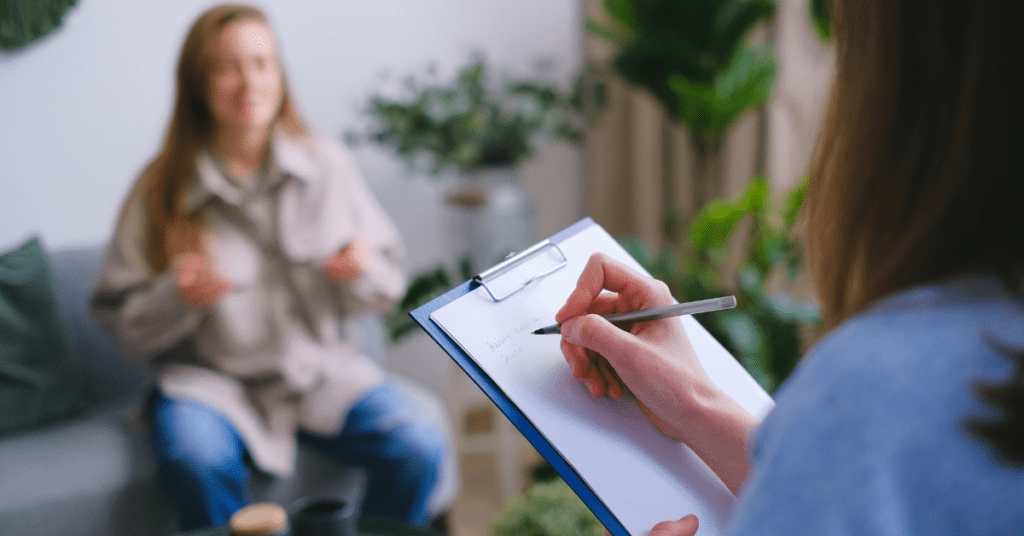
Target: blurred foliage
22,22
820,12
547,508
423,288
471,122
764,330
693,56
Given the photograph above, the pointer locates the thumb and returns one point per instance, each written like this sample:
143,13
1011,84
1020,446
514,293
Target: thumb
595,333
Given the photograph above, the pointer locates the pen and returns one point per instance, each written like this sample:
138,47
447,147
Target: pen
624,320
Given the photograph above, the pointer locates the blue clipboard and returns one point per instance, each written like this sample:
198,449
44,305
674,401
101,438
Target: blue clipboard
422,317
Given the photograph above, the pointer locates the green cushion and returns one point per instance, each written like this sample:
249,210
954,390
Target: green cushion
40,378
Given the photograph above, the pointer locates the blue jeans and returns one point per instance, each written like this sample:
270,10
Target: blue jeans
202,461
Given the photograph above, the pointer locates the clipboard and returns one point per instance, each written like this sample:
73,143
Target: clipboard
490,282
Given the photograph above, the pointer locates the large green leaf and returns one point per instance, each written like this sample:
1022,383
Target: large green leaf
820,12
624,11
714,225
733,21
746,83
685,53
794,201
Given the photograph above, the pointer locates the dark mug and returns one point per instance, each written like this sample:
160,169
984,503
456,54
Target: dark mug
323,516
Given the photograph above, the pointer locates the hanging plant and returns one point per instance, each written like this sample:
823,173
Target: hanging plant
23,22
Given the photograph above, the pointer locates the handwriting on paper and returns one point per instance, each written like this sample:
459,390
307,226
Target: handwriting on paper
504,347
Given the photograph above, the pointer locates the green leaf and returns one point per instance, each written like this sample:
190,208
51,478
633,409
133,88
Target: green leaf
734,19
746,83
794,201
820,12
743,332
713,227
421,289
751,280
623,11
605,32
714,224
548,508
755,196
468,123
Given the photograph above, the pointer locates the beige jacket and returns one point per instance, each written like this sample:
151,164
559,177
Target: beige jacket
272,355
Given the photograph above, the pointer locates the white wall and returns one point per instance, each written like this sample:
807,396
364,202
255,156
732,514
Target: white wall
82,111
805,74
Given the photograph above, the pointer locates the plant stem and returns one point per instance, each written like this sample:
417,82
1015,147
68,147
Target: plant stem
706,168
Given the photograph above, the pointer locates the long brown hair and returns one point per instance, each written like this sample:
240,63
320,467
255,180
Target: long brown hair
914,178
170,228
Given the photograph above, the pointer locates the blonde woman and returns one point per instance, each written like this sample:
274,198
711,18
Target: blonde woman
238,255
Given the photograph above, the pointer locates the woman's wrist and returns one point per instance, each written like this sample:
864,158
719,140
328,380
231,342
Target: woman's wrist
716,428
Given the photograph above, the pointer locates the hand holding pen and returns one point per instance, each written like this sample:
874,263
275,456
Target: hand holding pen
652,359
655,361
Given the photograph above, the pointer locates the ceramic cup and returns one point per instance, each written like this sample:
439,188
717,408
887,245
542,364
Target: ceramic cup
323,516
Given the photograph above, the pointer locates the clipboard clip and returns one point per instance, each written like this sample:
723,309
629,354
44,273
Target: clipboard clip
514,260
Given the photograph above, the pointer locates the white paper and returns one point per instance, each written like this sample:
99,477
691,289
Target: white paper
641,475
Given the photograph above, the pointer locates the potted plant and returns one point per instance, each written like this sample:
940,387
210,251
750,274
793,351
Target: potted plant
695,59
475,131
767,328
472,132
546,508
472,123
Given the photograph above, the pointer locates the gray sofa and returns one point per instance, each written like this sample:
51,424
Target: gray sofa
93,473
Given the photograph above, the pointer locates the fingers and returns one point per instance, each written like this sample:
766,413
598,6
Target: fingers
207,292
601,336
604,273
687,526
198,285
350,262
596,373
613,385
189,268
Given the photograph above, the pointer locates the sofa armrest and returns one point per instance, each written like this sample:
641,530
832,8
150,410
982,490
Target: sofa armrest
108,374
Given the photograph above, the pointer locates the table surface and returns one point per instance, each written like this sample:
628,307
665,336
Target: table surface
366,525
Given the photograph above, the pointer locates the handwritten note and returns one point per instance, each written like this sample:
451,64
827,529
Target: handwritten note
642,476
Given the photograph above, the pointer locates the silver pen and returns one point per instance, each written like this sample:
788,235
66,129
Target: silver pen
624,320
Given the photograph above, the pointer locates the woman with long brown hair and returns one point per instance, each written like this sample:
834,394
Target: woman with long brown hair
239,253
907,416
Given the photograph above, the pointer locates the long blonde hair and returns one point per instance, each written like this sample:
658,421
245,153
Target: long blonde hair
170,228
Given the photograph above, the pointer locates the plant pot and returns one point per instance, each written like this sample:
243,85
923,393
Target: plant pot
488,215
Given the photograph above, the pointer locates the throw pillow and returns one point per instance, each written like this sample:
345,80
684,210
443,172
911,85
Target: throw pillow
40,378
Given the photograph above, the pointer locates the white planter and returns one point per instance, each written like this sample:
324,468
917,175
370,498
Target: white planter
488,216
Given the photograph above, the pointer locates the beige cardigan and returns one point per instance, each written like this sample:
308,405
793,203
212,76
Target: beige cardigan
272,354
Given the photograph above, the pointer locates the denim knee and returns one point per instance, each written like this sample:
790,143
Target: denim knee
191,435
418,449
200,461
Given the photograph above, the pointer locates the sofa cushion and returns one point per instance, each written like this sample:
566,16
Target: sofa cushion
40,379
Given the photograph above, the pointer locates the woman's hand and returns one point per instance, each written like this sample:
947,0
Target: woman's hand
198,285
687,526
655,361
350,262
